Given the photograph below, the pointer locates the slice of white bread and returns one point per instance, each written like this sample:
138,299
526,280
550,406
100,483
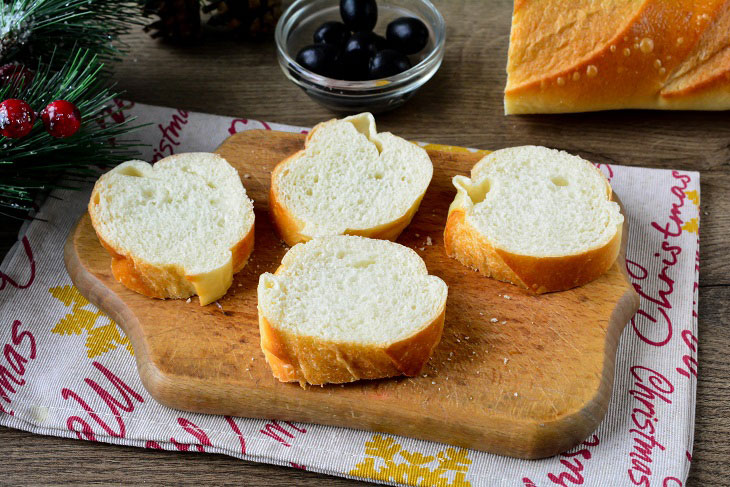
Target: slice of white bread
344,308
349,179
181,227
539,218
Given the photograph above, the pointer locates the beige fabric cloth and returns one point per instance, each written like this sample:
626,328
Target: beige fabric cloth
66,370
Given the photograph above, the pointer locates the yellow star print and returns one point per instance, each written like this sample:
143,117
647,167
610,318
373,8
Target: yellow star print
693,196
99,340
381,463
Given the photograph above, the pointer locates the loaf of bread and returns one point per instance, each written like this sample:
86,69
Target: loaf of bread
344,308
181,227
536,217
586,55
349,179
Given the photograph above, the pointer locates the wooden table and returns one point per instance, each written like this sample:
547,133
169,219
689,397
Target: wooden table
462,105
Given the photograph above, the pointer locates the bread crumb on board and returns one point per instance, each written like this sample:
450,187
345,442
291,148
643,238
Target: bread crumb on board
507,296
494,320
429,241
188,300
246,176
506,360
219,305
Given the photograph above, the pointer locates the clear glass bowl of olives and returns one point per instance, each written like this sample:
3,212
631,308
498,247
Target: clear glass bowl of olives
359,55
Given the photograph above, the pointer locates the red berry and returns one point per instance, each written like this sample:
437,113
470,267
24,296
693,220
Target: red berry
11,73
61,118
16,118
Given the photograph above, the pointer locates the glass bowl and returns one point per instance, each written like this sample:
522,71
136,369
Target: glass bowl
296,28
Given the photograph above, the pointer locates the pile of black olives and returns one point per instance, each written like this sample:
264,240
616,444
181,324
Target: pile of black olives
350,50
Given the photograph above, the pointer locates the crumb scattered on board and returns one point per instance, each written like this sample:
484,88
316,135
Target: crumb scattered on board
188,300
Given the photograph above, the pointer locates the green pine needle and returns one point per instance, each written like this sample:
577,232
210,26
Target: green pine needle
66,43
63,25
36,162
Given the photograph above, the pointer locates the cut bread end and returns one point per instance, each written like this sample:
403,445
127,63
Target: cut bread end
345,308
179,228
348,180
535,217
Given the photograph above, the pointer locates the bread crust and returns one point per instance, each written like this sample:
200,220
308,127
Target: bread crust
536,274
309,360
622,72
161,282
290,228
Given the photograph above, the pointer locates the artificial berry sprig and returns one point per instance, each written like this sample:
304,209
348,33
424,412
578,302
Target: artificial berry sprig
61,118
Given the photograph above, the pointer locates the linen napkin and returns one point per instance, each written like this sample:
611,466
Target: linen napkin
67,370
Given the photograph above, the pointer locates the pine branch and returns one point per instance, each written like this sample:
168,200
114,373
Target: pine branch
29,28
40,162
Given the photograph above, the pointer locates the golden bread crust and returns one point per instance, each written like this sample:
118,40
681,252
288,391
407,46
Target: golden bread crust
537,274
632,66
309,360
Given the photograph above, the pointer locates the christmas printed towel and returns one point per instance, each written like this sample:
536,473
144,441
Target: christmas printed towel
67,370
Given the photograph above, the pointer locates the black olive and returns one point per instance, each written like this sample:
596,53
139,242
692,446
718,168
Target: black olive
388,62
320,59
407,34
359,15
334,33
356,54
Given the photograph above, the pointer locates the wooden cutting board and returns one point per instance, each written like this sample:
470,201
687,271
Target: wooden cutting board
531,384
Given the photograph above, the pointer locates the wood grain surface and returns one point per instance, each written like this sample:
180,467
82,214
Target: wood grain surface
532,384
462,105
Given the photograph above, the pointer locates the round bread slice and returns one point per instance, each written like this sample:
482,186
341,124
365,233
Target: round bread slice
351,180
181,227
344,308
539,218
